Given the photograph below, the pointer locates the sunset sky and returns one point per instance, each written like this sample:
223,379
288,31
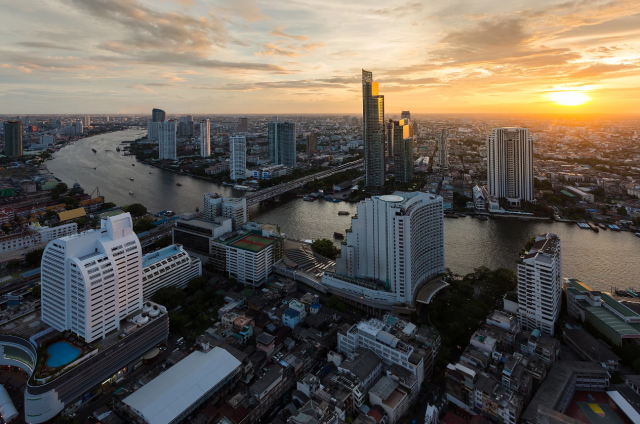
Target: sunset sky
305,56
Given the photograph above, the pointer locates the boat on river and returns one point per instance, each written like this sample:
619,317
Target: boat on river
594,227
343,212
308,199
131,178
131,193
179,185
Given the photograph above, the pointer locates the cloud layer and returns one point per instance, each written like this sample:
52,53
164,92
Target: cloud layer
254,56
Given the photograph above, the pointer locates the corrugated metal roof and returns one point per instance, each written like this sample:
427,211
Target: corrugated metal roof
72,214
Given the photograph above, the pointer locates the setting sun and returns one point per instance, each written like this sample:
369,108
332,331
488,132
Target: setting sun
569,98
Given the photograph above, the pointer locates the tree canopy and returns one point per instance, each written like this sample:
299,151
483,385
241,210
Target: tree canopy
136,209
325,248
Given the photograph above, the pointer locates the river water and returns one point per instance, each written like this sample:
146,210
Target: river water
601,259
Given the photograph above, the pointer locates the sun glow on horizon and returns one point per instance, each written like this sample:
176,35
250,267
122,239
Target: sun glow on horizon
569,98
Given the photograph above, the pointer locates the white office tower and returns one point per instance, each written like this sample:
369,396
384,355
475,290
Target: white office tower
152,130
93,280
205,138
396,243
228,207
238,147
167,142
443,152
510,164
540,284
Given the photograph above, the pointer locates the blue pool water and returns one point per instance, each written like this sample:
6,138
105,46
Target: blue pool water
61,353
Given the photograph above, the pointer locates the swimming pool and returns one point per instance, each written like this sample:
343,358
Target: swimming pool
61,353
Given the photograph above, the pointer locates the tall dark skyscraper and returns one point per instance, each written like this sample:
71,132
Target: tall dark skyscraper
403,151
405,114
373,131
158,115
243,125
281,137
13,138
312,143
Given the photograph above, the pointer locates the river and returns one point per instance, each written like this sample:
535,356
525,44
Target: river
601,259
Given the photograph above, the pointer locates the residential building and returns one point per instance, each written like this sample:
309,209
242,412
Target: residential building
583,195
158,115
171,266
167,140
238,148
152,130
443,152
281,138
93,280
373,335
510,165
228,207
479,198
35,234
198,235
391,397
185,126
373,131
396,243
205,138
364,364
243,125
540,284
13,138
312,143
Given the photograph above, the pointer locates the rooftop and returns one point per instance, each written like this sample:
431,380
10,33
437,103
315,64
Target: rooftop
170,394
624,329
161,254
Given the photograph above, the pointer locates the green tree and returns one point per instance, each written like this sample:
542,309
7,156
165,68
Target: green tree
37,291
34,257
82,222
15,264
136,209
325,248
163,241
63,419
108,205
196,284
169,297
142,225
334,302
622,211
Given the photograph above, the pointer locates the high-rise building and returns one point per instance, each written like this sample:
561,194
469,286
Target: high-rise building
167,140
312,143
396,243
86,121
205,138
281,137
171,266
510,164
158,115
540,284
373,131
403,151
228,207
13,138
152,130
415,127
93,280
238,147
405,114
443,151
243,125
185,126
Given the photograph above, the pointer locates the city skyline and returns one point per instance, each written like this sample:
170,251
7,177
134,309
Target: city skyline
256,57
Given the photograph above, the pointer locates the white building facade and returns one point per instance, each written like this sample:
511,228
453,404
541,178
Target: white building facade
171,266
205,138
228,207
510,164
92,281
238,147
396,243
167,141
540,284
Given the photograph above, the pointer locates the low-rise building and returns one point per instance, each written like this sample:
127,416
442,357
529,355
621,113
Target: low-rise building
171,266
591,349
391,397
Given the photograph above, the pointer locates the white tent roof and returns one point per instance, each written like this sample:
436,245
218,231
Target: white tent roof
168,395
7,410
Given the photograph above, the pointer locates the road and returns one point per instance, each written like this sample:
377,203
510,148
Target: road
270,192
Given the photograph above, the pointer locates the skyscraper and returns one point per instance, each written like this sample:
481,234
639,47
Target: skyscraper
396,243
281,137
403,151
238,147
152,130
205,138
243,125
405,114
373,131
312,143
443,151
228,207
510,164
93,280
158,115
540,284
185,126
167,143
13,138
